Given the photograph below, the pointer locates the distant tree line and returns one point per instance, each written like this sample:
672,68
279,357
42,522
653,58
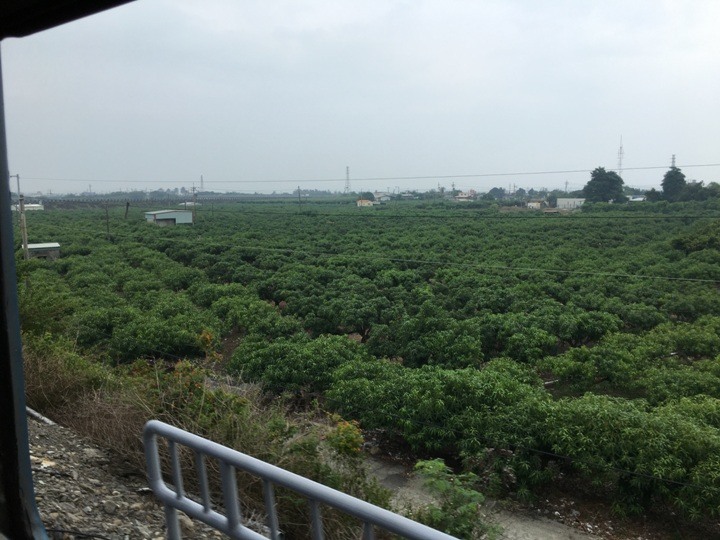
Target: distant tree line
608,186
676,189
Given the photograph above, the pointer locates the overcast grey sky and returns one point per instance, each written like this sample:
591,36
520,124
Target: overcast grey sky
157,92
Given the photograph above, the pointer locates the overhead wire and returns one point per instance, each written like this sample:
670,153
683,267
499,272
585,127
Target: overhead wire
476,266
452,213
509,446
365,179
491,443
485,440
316,254
600,466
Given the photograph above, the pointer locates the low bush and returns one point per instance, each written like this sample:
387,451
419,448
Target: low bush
111,405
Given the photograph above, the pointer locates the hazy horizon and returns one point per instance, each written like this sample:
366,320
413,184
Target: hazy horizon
269,96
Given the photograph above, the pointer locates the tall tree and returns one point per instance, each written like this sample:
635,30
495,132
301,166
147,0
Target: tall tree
673,184
604,186
496,193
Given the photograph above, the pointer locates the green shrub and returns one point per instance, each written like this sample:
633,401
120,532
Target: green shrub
457,511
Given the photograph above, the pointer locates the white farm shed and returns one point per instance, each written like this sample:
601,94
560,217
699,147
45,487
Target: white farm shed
28,207
48,250
569,204
164,218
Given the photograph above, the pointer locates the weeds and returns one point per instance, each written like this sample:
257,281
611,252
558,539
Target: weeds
111,405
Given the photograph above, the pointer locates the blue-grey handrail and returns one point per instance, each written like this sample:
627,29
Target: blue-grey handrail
231,523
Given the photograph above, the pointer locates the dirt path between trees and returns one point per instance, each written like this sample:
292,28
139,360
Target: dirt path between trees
82,489
408,490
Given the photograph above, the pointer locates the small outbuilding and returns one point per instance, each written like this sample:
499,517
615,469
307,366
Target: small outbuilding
569,204
165,218
464,196
364,202
29,207
48,250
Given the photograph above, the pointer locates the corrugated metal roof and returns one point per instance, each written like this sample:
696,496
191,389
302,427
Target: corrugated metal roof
156,212
47,245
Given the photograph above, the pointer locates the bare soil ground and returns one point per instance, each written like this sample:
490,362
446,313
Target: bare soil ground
84,491
557,514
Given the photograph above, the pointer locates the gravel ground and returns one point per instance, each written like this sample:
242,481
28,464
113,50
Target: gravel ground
83,491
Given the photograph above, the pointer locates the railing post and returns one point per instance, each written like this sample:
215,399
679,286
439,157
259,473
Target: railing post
230,462
172,523
316,520
273,523
229,488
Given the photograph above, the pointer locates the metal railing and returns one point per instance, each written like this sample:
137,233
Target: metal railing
231,522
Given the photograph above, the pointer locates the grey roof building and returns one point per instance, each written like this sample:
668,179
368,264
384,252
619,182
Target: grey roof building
164,218
48,250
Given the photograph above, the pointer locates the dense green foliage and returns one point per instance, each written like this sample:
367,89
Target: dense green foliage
525,344
675,188
457,510
604,186
673,184
111,405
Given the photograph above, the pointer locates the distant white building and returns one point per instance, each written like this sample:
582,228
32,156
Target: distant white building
381,197
569,204
48,250
164,218
534,205
189,204
465,196
364,202
28,207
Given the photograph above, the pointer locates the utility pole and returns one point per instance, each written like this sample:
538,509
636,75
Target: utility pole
107,220
17,177
194,204
23,227
299,199
127,208
347,180
621,154
566,185
673,163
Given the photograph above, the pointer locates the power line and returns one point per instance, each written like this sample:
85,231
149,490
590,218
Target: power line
485,440
494,443
519,269
474,266
477,217
366,179
504,446
451,213
290,251
571,459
